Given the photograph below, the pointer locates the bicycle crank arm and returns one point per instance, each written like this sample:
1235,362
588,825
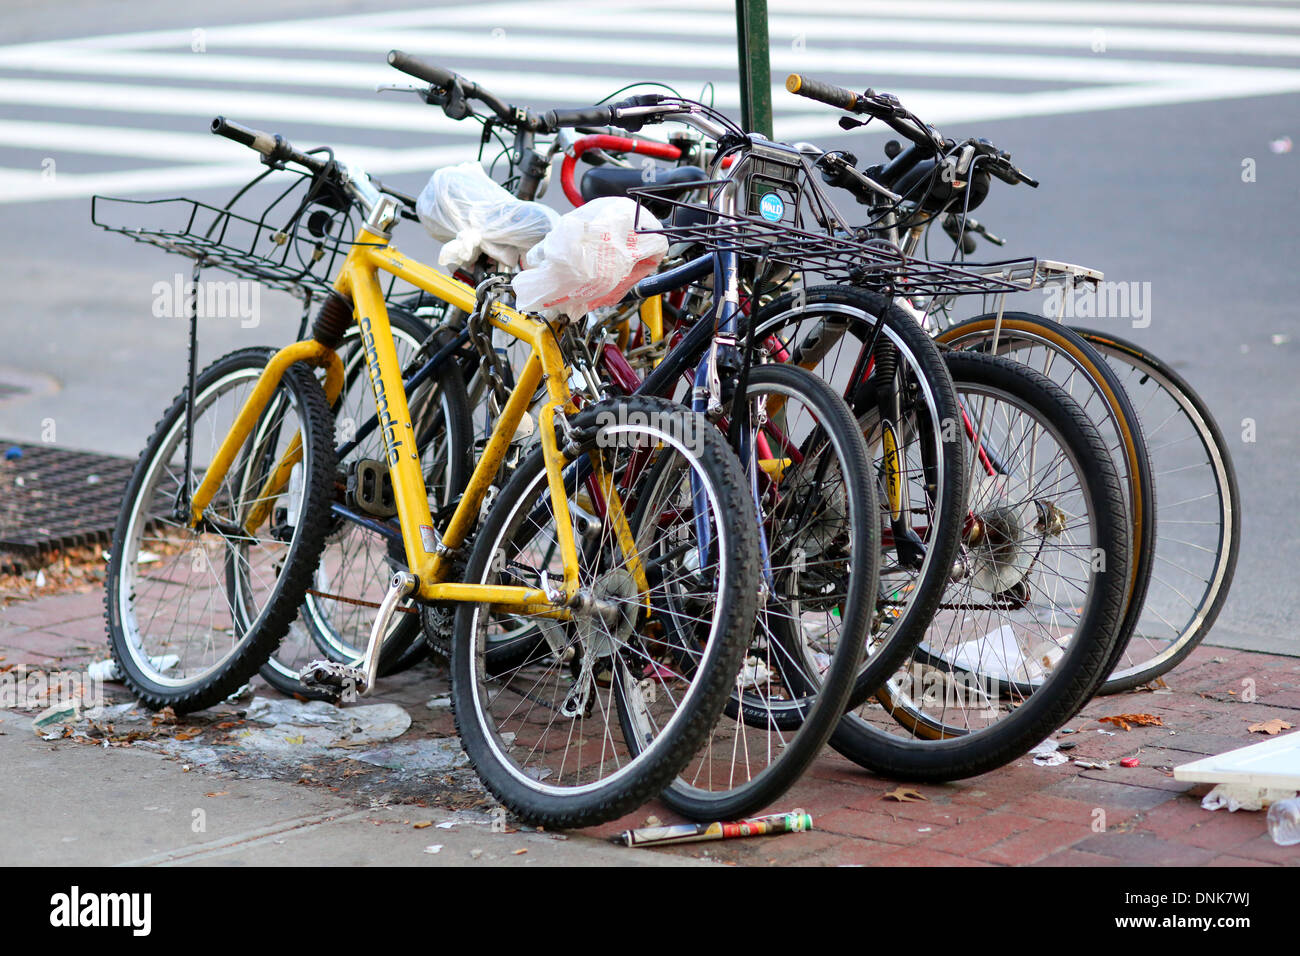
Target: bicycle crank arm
350,681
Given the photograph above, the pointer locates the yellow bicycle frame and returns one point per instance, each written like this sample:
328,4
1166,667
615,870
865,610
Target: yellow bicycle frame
426,553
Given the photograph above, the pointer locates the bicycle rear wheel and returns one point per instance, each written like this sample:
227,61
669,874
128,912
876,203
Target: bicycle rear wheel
194,612
356,563
1199,525
1023,637
655,642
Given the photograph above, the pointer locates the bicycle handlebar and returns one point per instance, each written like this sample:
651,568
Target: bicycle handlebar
882,106
273,147
828,93
445,79
888,110
587,116
420,69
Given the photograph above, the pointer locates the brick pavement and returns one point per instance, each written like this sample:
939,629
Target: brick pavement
1022,814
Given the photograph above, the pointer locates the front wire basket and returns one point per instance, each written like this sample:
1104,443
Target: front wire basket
286,247
871,263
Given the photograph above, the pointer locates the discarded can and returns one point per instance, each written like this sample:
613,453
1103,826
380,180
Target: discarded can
770,825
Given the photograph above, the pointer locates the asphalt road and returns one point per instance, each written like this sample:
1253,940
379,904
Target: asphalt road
1149,124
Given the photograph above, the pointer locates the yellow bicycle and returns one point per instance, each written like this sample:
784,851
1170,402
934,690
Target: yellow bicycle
589,605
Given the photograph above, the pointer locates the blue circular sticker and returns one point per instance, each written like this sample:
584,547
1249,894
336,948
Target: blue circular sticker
771,207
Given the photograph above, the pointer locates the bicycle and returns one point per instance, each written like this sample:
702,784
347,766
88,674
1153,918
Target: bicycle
1190,578
1016,709
564,787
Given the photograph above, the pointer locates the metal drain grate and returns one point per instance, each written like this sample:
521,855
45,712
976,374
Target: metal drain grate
54,498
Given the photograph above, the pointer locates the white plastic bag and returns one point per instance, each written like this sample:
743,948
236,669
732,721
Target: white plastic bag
590,259
462,207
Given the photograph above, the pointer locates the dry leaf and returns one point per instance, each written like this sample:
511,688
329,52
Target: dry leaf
188,733
1128,721
1270,727
905,795
422,824
520,852
219,793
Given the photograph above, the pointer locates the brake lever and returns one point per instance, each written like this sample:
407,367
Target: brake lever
420,91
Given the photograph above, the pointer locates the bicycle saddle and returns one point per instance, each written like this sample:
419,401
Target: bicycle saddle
615,181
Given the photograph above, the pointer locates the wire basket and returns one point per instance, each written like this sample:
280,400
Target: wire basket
870,263
295,244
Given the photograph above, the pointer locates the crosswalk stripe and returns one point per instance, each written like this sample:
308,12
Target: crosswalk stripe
562,87
67,59
241,105
564,45
18,185
1095,11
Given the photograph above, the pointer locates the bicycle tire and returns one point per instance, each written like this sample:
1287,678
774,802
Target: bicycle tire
772,729
1109,405
556,794
145,505
1144,660
903,742
905,604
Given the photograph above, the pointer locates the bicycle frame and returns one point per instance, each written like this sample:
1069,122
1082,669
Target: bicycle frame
428,556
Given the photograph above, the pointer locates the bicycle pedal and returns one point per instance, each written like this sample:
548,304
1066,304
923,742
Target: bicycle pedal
342,681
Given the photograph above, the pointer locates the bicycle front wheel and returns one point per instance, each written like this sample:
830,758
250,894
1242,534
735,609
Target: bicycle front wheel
1198,531
896,381
818,510
1071,362
1024,632
662,617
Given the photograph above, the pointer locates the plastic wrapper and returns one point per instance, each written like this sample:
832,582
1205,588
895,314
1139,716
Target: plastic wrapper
589,260
464,209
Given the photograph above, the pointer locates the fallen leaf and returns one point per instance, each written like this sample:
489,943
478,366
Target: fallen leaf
188,733
422,824
520,852
905,795
1128,721
1270,727
218,793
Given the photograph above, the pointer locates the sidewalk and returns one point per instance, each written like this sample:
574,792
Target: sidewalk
102,804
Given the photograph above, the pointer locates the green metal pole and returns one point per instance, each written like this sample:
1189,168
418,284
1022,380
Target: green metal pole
755,66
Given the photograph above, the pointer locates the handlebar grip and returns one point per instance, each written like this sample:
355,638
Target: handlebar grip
827,93
264,143
587,116
420,69
274,148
